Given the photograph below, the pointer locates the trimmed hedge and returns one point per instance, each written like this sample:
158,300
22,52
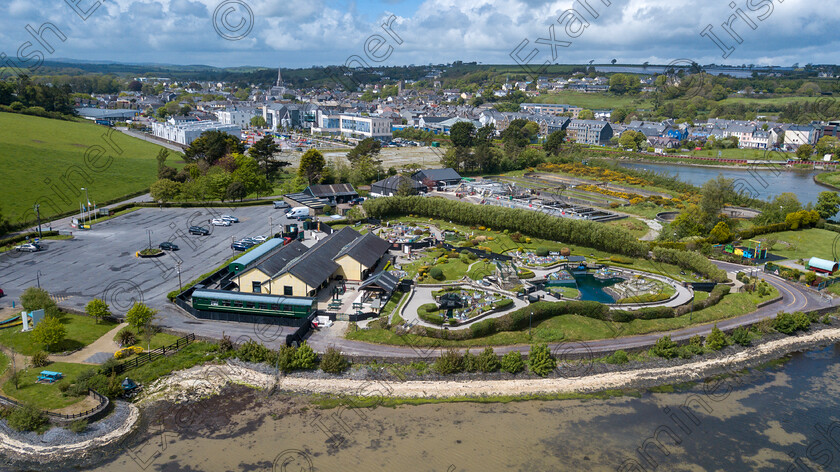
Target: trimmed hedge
715,297
759,230
580,232
22,237
429,313
693,261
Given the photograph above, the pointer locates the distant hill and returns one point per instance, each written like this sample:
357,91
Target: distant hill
47,161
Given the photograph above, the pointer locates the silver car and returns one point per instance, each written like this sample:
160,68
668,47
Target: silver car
28,247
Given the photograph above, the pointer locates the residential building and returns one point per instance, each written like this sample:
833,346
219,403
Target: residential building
186,133
592,132
238,116
797,135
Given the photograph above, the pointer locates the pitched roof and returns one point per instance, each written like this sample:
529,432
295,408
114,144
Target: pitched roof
447,173
366,250
384,280
393,183
332,190
274,263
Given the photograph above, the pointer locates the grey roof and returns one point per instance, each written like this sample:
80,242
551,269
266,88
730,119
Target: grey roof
308,200
317,265
392,184
274,263
258,252
437,175
384,280
332,190
367,250
252,297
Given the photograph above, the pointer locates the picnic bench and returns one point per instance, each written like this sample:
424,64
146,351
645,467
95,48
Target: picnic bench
49,376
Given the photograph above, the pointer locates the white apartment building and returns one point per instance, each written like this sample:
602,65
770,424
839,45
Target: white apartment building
186,133
238,116
364,126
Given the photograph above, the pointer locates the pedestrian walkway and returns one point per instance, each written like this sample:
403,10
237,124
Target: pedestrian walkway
95,353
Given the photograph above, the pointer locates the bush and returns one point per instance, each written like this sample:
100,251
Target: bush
689,260
436,273
252,351
512,362
540,360
27,418
450,362
286,359
741,337
428,312
618,357
470,362
487,361
78,426
334,361
664,348
40,359
125,337
787,323
716,339
542,251
225,344
305,357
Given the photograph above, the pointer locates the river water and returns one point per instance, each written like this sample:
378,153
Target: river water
765,419
763,184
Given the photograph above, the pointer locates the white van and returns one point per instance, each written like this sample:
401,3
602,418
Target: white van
297,212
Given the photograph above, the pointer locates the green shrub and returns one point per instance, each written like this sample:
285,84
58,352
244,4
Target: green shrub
125,337
542,251
470,362
428,312
286,358
487,361
305,357
741,336
78,426
664,348
716,339
225,344
826,319
789,323
436,273
618,357
333,361
40,359
252,351
27,418
450,362
512,362
540,360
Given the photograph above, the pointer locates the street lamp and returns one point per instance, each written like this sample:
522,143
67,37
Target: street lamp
38,276
87,206
38,214
150,238
529,323
180,288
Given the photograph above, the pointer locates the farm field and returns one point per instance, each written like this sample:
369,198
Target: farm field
46,162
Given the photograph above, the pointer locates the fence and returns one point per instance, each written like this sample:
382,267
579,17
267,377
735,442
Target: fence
150,356
102,403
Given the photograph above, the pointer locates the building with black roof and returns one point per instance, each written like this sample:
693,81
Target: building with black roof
392,185
295,271
333,193
440,177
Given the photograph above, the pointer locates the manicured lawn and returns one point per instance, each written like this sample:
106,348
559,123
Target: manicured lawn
158,340
566,292
81,331
579,328
804,244
39,150
634,226
45,396
4,363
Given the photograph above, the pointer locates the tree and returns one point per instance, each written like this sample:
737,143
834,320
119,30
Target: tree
586,114
165,190
554,142
161,157
716,193
212,146
631,139
134,86
540,361
258,122
462,134
140,316
716,339
512,362
97,309
368,147
34,298
828,204
312,166
804,152
263,152
827,145
236,191
49,332
720,233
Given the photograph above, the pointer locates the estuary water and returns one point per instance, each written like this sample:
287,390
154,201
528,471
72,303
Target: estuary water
784,416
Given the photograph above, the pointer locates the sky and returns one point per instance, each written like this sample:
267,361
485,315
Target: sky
303,33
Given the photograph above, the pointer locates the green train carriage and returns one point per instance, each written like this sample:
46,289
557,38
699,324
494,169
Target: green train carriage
252,303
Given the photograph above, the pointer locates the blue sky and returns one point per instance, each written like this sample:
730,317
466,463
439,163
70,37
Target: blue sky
301,33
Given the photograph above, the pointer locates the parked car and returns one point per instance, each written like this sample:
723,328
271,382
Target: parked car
2,293
357,200
219,222
168,246
260,239
28,247
304,218
238,246
232,219
281,205
199,230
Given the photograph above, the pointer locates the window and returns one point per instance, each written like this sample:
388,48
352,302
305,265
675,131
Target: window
249,305
256,287
288,290
275,307
237,304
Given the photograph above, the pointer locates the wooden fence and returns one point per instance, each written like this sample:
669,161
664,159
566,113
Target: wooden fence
153,355
102,403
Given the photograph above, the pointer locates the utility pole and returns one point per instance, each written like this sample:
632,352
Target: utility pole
38,214
180,288
38,277
87,205
150,238
529,324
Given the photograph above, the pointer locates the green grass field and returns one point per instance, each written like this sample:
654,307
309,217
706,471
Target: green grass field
592,100
81,331
45,396
45,160
804,244
829,178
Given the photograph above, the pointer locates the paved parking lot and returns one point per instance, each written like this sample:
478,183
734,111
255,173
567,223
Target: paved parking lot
101,262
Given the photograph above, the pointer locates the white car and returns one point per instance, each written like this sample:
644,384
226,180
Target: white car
232,219
28,247
259,239
220,222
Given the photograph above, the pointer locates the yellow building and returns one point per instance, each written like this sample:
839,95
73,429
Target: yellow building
297,271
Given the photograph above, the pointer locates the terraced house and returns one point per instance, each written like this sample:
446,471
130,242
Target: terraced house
594,132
